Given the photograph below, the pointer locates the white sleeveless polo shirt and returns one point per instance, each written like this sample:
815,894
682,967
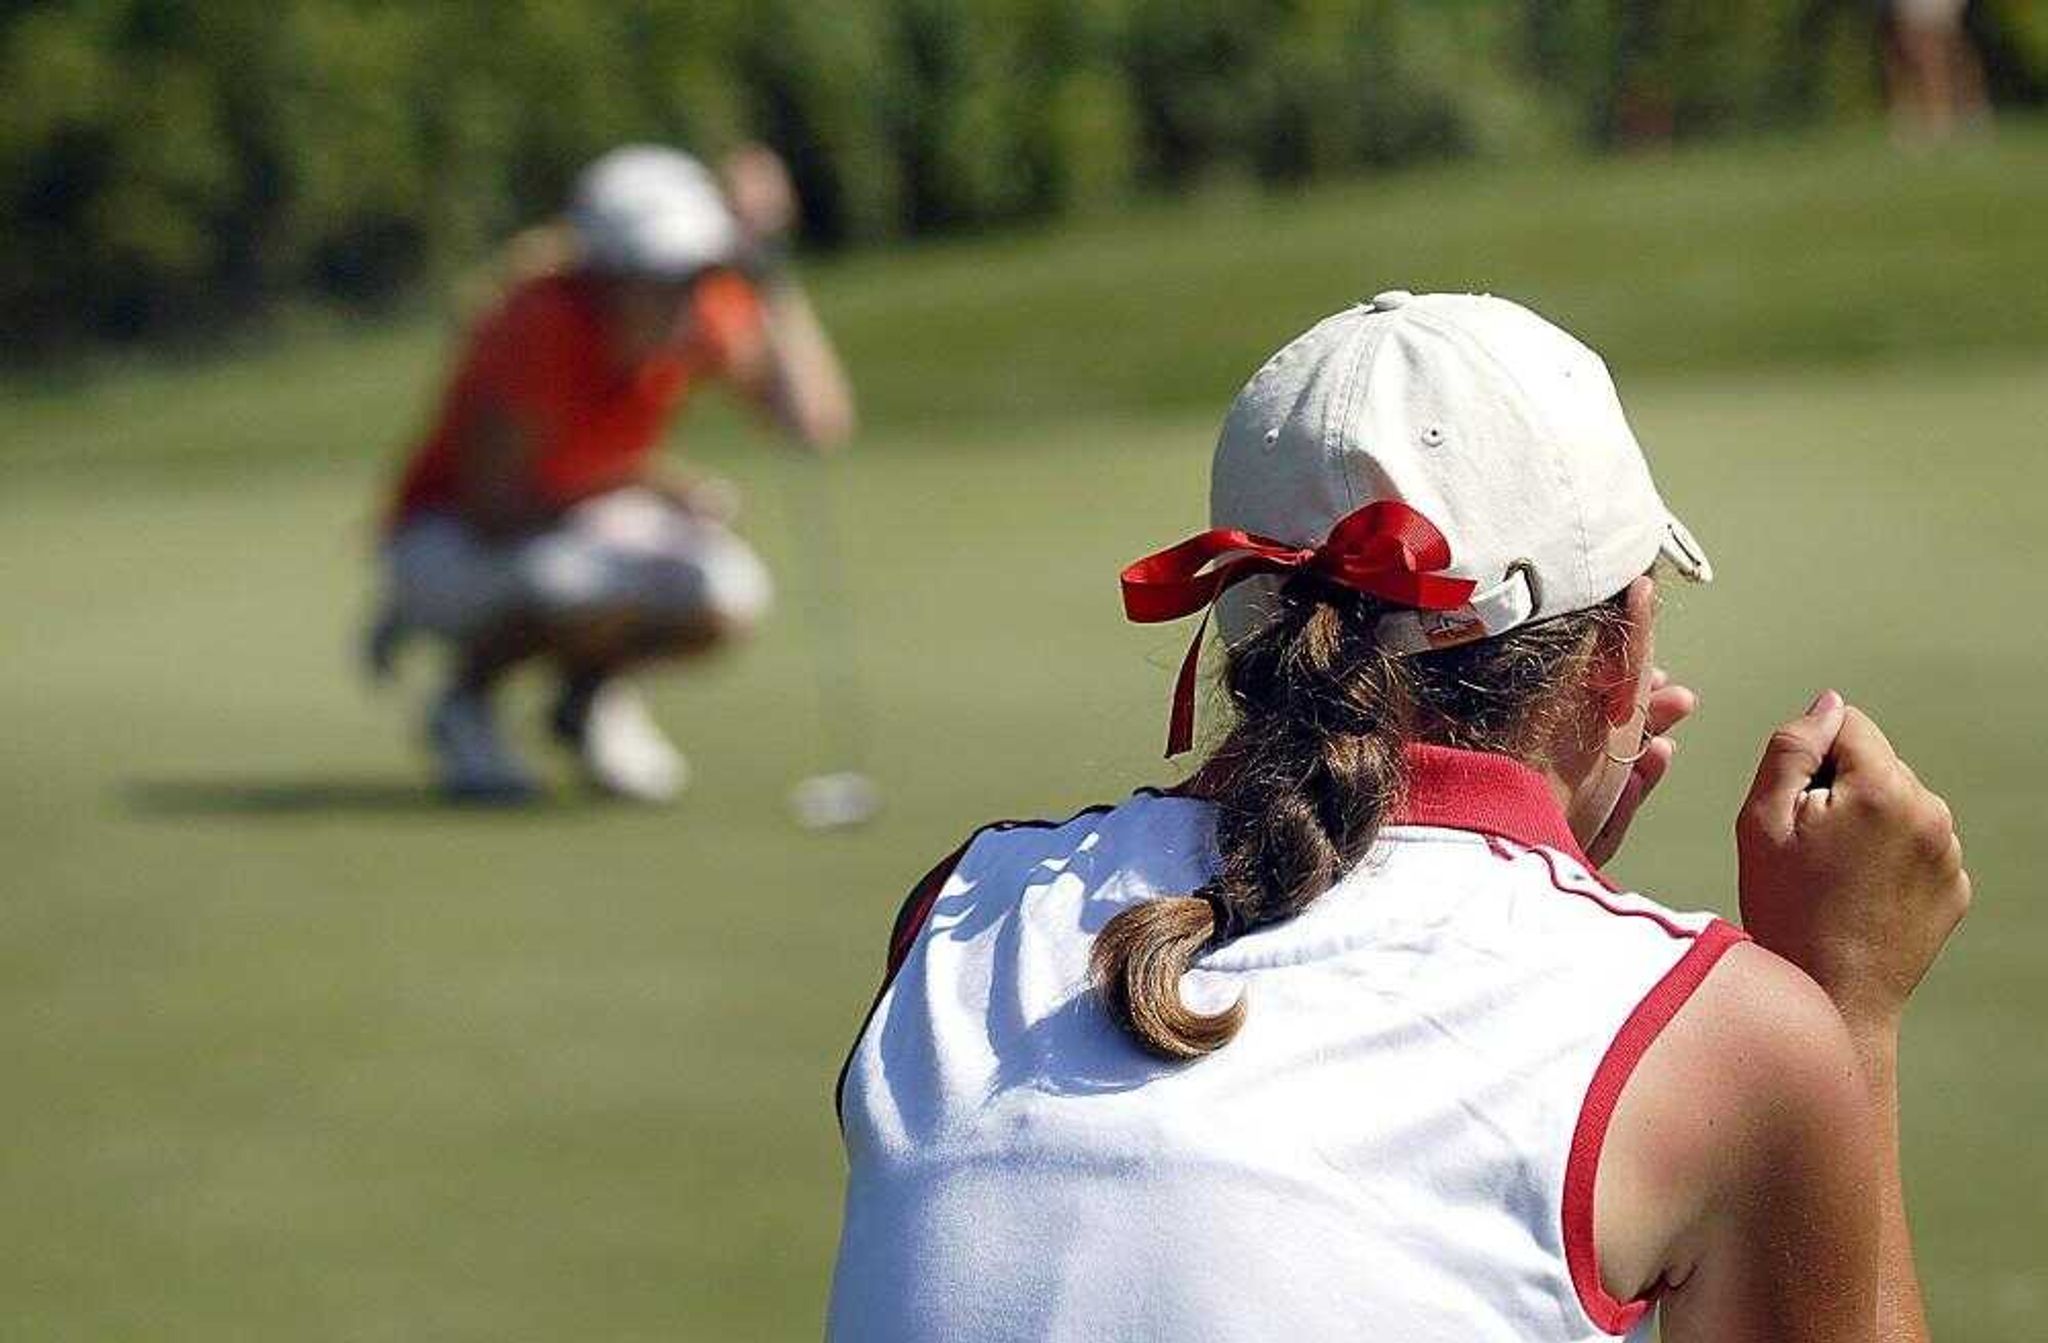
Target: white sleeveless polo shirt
1399,1146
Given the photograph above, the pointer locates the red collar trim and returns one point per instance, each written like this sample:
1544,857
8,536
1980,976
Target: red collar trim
1490,794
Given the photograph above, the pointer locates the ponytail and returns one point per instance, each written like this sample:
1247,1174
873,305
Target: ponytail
1310,772
1138,960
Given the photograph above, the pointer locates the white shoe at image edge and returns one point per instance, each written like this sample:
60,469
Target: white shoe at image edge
475,762
624,753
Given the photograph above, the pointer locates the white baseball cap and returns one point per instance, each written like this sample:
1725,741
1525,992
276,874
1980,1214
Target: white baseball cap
1499,428
651,210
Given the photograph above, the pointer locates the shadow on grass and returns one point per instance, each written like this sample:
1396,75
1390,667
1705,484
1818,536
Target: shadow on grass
286,796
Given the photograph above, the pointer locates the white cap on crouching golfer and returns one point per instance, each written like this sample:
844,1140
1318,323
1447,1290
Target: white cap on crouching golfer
651,210
1476,456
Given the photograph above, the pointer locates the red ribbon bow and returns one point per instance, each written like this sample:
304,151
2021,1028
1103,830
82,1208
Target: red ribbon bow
1386,548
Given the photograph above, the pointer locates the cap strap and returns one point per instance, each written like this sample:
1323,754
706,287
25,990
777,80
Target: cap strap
1386,548
1500,608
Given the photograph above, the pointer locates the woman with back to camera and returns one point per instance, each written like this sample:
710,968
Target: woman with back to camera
1347,1037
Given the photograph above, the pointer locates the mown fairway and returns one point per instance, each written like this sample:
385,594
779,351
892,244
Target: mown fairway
292,1051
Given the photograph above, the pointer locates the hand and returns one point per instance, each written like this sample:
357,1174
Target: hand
758,188
1669,705
1860,882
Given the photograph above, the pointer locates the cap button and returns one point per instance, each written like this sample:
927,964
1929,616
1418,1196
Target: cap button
1389,299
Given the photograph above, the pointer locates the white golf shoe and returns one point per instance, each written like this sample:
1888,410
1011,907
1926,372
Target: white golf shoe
622,751
475,763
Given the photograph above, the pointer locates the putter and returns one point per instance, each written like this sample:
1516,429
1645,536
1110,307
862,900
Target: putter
841,795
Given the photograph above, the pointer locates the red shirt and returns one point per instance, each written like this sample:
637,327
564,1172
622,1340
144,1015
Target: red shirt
543,356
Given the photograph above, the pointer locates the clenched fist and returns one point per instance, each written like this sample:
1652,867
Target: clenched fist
1850,867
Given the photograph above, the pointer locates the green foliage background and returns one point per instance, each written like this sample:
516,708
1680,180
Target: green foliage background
171,163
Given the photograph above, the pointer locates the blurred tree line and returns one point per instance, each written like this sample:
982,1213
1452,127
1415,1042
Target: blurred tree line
172,163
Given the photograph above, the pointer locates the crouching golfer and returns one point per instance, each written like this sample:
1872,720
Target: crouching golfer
1347,1037
531,523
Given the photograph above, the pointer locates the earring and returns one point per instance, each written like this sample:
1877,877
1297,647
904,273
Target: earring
1641,750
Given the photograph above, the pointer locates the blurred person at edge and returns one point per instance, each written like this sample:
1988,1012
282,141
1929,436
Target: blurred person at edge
1933,76
1347,1036
532,521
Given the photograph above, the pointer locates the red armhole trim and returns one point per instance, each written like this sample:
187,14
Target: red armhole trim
917,907
910,921
1582,1168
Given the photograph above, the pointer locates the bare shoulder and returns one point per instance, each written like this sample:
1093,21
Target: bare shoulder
1743,1114
1759,1023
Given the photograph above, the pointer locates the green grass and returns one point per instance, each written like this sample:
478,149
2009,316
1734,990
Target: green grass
293,1052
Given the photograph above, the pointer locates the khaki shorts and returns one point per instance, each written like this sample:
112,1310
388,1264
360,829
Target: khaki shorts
631,549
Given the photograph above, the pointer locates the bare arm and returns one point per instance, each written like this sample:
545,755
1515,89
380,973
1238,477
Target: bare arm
1859,880
1754,1158
805,386
1901,1313
795,374
1739,1167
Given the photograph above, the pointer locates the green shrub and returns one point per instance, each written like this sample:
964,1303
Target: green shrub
167,164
